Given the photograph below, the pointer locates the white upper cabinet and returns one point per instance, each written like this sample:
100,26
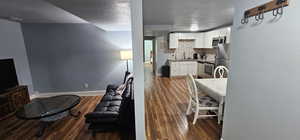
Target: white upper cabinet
202,40
225,32
199,41
173,40
186,36
208,36
175,37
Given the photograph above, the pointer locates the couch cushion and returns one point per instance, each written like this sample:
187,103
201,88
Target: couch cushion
108,106
112,109
103,127
112,87
110,97
107,120
101,117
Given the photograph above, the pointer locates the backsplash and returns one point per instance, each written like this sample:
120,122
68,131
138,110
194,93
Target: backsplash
185,49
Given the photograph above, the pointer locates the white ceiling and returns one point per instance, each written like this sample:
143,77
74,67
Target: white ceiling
106,14
113,15
110,15
37,11
180,15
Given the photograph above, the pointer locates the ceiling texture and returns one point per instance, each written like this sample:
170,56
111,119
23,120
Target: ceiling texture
114,15
109,15
35,11
106,14
186,15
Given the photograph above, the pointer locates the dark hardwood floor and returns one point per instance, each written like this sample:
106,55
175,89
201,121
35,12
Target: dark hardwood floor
69,128
166,103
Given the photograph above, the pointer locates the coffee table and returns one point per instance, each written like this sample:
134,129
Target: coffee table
48,110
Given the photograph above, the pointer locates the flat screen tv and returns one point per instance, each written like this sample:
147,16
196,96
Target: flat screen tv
8,75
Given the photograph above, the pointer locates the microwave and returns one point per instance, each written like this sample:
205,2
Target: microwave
218,40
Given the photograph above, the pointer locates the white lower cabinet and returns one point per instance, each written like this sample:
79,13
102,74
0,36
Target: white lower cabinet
182,68
201,68
173,68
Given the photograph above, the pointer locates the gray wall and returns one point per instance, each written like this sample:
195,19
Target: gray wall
12,46
65,57
138,67
263,89
162,52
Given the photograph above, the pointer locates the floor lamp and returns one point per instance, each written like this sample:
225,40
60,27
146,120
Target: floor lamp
126,55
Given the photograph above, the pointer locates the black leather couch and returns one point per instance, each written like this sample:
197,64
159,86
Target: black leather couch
114,112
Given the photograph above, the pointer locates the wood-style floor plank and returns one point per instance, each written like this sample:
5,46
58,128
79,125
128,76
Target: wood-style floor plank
69,128
165,105
166,101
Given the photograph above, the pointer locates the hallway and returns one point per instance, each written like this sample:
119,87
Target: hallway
165,105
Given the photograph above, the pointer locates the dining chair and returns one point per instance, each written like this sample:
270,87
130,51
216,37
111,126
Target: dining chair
220,70
200,104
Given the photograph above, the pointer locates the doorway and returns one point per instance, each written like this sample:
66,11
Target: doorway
149,54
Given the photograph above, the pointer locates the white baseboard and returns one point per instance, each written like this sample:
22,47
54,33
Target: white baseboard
79,93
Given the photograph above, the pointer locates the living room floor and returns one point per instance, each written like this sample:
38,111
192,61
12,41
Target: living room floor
69,128
166,103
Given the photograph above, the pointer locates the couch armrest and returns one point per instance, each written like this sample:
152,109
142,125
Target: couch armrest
106,114
112,87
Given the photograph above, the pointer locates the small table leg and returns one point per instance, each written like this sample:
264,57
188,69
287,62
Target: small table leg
77,114
42,127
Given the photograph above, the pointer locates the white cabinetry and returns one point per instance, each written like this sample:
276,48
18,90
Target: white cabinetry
186,36
202,40
192,68
182,68
226,32
208,36
173,68
173,40
175,37
201,68
199,42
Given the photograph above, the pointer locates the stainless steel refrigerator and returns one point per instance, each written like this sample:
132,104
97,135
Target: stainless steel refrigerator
222,54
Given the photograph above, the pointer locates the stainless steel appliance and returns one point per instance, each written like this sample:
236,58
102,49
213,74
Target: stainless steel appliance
222,49
196,56
219,40
209,68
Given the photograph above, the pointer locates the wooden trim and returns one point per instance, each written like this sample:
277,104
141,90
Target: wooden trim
264,8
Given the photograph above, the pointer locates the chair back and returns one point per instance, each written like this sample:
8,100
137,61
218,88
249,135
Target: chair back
192,87
220,70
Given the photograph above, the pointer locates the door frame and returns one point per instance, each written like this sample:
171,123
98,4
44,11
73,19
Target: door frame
153,51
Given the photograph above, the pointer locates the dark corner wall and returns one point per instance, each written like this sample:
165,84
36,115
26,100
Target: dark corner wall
12,46
74,57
